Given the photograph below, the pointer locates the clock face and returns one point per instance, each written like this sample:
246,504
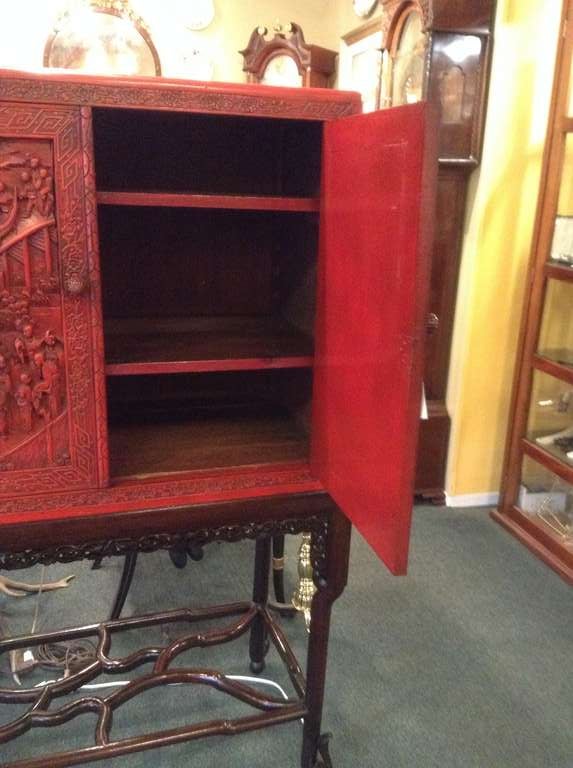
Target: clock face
196,14
282,70
409,63
364,8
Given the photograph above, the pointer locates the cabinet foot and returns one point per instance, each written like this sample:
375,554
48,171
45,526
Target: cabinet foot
437,497
321,754
323,759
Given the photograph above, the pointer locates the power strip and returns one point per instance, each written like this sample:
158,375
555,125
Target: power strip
22,660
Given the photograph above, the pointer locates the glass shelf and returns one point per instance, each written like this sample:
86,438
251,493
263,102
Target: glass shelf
550,422
547,500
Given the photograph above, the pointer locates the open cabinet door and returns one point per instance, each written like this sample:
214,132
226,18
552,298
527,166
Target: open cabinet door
379,174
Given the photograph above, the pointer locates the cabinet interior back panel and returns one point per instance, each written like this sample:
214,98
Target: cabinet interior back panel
164,262
155,151
180,423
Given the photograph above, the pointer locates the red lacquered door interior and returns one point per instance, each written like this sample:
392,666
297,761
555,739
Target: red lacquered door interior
376,230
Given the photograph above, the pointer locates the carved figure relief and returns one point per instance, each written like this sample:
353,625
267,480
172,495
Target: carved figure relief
32,359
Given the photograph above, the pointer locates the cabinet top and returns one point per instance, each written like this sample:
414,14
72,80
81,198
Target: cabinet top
178,95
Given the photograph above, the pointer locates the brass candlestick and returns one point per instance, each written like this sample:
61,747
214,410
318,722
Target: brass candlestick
303,594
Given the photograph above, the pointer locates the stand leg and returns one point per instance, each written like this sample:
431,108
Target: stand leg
257,644
316,676
279,568
330,579
124,584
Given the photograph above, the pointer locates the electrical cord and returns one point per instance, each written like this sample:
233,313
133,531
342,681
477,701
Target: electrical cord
70,656
120,683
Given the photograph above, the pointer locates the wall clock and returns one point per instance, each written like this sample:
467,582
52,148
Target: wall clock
364,8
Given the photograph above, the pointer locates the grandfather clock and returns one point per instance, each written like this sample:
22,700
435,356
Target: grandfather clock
440,51
286,59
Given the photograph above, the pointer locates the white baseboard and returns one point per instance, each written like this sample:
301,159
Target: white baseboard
473,500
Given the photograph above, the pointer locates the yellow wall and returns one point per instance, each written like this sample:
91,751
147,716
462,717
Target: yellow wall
497,242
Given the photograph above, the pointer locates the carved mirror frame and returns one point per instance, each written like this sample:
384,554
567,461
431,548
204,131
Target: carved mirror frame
118,9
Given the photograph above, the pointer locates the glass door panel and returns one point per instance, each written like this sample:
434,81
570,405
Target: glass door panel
556,335
569,104
550,423
562,245
547,499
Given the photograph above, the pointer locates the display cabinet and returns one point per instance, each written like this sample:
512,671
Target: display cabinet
537,494
213,307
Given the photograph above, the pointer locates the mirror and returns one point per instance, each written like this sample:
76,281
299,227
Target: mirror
102,39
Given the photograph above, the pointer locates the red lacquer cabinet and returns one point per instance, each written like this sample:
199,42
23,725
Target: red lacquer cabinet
212,313
256,327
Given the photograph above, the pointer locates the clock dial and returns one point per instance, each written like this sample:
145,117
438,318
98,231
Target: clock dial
364,8
409,61
282,70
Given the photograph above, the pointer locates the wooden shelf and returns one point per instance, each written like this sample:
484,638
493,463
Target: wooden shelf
229,202
148,346
553,368
559,271
150,448
552,459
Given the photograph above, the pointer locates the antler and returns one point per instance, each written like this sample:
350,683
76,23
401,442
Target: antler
21,588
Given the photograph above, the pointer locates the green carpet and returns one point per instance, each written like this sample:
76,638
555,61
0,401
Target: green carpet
465,663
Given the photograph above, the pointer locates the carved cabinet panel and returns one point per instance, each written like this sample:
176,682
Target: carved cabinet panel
47,393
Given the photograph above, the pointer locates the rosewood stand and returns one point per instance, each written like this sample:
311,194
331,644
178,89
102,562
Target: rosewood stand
112,535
